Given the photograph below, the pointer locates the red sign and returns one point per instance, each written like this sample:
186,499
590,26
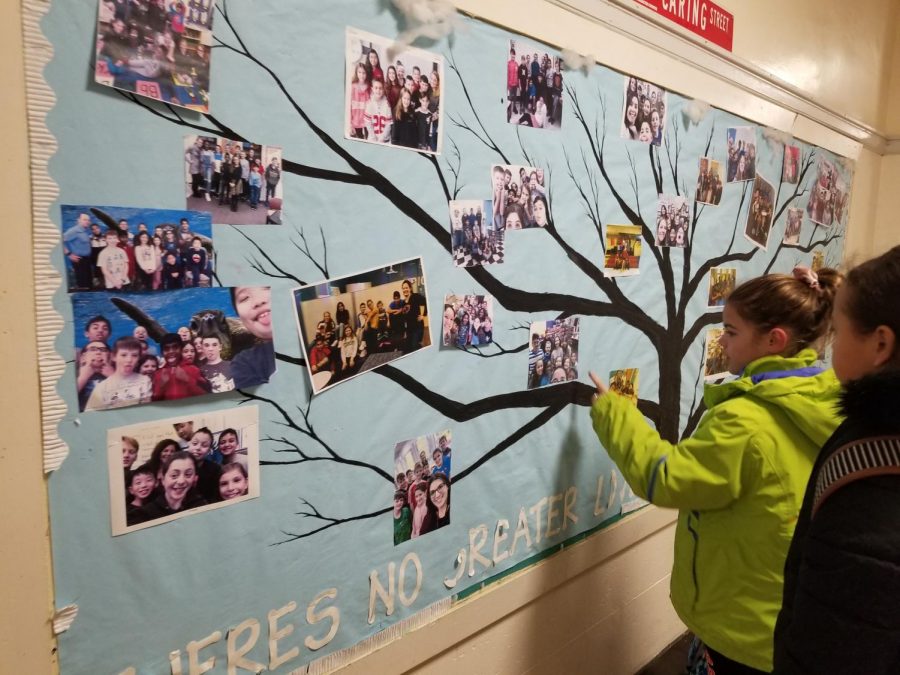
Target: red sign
702,17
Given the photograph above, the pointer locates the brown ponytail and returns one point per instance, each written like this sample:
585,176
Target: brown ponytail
782,300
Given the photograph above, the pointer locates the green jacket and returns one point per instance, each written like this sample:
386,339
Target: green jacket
738,482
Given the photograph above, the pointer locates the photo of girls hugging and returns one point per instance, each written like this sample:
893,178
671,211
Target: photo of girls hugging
554,352
623,250
126,356
134,249
761,212
519,199
721,282
741,164
181,465
474,240
792,226
673,217
350,325
534,86
422,485
468,321
230,179
156,48
644,112
394,102
709,182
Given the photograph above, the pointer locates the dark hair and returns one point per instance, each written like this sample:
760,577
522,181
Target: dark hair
229,430
400,494
783,300
155,461
439,476
871,296
170,339
204,430
144,469
97,319
145,358
181,454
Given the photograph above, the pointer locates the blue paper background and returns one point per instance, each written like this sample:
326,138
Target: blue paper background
149,593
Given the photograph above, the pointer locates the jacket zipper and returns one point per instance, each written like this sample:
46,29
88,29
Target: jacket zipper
690,527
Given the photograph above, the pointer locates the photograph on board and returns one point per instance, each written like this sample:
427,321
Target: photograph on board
534,86
554,352
741,142
236,182
792,226
468,321
519,197
715,363
673,217
422,485
625,383
643,111
119,248
722,281
350,325
841,200
709,182
162,470
623,250
393,102
761,212
474,240
820,207
791,170
136,348
156,49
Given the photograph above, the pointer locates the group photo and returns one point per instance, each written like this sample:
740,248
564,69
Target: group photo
422,485
715,363
534,86
709,182
236,182
133,348
792,226
468,321
722,281
791,170
623,250
473,237
761,212
392,100
741,164
673,217
820,207
350,325
519,199
121,248
643,111
156,48
553,358
162,470
625,383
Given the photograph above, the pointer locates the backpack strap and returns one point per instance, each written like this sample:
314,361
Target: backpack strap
876,456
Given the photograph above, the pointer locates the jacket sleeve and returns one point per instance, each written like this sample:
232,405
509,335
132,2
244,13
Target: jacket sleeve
700,472
845,616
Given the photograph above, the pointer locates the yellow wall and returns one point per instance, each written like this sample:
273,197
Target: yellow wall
602,604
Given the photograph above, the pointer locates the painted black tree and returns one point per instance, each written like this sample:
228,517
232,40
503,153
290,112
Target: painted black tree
672,338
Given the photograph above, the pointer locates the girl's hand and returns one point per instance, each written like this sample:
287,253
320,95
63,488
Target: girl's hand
601,388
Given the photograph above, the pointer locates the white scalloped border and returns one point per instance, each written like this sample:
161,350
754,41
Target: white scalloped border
45,234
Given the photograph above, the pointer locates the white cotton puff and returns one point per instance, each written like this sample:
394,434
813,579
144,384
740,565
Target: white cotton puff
776,139
694,111
432,19
575,61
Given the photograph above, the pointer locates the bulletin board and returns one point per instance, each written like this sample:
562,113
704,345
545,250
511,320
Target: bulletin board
509,234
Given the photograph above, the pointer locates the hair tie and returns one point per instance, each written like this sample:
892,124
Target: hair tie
807,276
